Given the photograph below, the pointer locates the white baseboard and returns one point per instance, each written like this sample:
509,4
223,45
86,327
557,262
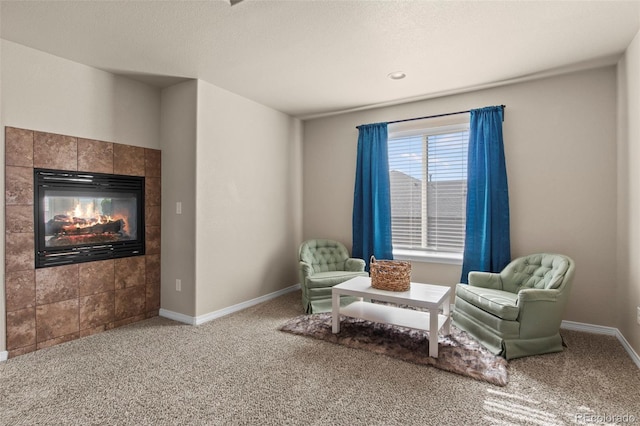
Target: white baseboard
4,355
589,328
201,319
177,316
609,331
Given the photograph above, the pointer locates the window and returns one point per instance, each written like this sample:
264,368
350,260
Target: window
428,177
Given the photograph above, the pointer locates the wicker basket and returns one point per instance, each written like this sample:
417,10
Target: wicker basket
392,275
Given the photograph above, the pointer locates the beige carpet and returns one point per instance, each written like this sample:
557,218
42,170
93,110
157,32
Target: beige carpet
241,370
457,353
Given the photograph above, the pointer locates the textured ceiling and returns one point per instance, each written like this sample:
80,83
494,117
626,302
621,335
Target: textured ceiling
308,58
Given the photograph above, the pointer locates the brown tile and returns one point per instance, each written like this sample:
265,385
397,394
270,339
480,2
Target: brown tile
152,216
21,351
153,268
130,302
21,328
51,151
56,283
19,254
130,272
18,185
125,321
18,147
97,310
152,240
153,162
56,320
58,340
95,156
152,191
20,290
153,296
19,218
128,160
96,277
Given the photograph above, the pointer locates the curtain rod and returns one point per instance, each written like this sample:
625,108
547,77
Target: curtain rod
432,116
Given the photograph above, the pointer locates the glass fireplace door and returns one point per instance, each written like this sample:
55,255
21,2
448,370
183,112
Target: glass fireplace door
82,217
78,219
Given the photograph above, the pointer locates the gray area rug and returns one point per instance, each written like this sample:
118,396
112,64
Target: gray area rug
457,353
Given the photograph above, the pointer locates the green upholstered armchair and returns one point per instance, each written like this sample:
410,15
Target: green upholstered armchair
323,264
517,312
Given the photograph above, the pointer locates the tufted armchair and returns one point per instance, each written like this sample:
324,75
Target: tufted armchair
323,264
517,312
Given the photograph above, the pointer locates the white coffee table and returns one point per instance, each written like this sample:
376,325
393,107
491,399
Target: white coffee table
434,298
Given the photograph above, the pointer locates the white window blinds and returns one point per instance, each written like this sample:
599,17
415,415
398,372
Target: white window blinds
428,176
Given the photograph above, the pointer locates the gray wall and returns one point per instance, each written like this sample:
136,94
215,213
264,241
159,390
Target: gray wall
179,138
628,250
560,147
248,199
235,167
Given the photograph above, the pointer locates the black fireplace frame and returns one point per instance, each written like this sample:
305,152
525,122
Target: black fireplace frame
71,181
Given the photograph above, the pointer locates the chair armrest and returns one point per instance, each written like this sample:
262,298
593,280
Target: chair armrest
540,312
354,265
305,269
485,280
537,295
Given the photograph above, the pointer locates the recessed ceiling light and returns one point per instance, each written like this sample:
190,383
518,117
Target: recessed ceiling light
396,75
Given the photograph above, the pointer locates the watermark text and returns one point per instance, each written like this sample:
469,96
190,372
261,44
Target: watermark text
593,418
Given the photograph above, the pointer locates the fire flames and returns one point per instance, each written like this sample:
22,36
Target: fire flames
88,217
77,212
85,225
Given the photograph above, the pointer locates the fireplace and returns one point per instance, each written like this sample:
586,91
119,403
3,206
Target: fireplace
83,217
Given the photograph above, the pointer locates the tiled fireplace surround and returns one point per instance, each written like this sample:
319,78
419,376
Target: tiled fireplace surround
53,305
